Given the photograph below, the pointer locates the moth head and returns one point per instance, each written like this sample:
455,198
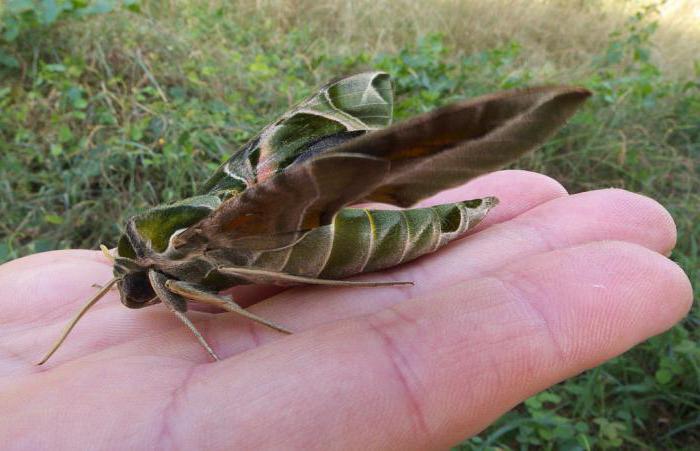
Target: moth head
135,290
134,287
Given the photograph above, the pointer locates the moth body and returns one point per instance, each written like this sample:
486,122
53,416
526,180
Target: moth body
278,211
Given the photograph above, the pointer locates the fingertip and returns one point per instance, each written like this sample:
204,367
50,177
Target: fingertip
652,295
648,214
675,288
607,214
604,297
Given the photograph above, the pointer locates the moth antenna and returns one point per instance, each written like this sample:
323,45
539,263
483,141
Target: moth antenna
77,317
106,253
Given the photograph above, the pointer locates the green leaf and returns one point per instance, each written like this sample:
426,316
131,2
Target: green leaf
56,150
11,30
663,376
43,245
48,11
687,347
98,7
549,397
64,134
80,103
132,5
19,6
5,252
55,67
53,219
582,427
136,133
8,60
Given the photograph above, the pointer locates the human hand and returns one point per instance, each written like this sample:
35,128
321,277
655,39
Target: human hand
548,286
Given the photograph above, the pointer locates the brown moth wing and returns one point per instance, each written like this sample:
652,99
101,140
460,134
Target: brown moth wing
277,212
399,165
451,145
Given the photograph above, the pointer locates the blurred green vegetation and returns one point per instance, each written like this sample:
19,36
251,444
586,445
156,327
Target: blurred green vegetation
108,107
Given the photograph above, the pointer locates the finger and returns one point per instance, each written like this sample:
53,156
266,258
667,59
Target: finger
424,374
559,223
107,325
50,257
48,287
41,292
430,372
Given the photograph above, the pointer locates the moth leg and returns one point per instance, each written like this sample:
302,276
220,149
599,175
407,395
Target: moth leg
265,276
178,305
99,287
195,294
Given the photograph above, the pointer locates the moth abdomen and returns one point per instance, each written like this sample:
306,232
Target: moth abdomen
366,240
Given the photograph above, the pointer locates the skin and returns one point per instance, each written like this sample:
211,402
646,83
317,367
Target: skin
549,285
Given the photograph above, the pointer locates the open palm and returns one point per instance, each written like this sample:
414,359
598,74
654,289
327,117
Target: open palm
548,286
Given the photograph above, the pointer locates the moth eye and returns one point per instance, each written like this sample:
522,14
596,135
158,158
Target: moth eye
135,290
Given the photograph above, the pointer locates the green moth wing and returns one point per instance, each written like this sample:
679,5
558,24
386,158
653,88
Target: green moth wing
157,225
341,110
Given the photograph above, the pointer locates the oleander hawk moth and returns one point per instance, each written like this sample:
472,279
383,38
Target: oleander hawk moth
279,210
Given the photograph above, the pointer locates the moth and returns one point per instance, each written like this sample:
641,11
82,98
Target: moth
279,209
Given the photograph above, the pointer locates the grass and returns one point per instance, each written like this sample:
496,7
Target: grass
104,115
